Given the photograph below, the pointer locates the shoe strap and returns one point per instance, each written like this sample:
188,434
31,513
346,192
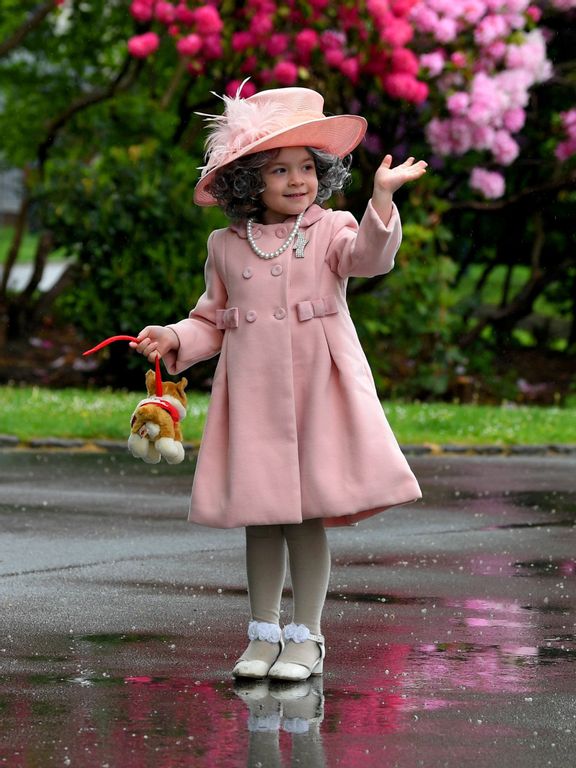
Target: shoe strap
291,629
264,630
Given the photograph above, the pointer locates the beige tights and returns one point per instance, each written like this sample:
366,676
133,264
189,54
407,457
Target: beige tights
309,558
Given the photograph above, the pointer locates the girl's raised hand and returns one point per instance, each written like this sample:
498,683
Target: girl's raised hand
388,179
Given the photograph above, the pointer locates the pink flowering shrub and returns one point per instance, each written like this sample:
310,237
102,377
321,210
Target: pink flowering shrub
466,69
490,56
281,44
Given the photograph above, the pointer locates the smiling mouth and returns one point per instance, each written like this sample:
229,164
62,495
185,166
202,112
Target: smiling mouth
296,194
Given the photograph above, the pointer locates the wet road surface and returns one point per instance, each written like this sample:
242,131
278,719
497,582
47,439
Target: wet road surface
450,625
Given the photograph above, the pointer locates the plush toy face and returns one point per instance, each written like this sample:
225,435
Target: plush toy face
174,389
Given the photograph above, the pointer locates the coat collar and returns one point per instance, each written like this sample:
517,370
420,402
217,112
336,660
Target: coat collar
312,215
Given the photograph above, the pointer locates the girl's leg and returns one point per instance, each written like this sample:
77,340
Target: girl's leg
309,557
266,571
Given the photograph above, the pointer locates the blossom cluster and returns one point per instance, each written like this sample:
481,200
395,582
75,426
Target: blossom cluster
469,66
488,55
280,43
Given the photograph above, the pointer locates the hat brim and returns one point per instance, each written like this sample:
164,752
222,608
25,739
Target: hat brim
336,134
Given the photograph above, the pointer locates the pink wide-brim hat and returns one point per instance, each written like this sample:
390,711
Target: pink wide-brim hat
280,117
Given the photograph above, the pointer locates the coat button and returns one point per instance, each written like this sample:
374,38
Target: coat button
280,313
251,316
247,274
256,233
276,270
281,232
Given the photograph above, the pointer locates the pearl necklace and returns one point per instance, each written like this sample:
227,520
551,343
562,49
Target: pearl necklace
272,254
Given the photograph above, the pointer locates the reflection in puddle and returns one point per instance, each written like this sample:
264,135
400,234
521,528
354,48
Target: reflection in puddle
364,710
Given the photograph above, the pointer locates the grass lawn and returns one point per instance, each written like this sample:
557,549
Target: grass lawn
32,412
28,246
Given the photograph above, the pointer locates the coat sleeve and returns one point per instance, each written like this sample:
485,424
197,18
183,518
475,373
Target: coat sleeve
199,337
367,249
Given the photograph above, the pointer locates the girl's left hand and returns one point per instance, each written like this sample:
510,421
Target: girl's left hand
388,179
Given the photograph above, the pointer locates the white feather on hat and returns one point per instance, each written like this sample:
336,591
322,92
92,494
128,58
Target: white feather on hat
242,123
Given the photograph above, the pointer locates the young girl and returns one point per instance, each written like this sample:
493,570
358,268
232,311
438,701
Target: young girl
295,437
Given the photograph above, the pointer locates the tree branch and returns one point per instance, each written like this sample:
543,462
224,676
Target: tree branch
127,75
34,19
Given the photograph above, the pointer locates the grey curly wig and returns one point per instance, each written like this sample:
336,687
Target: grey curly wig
237,186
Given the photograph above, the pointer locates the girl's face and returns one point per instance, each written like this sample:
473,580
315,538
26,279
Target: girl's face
291,184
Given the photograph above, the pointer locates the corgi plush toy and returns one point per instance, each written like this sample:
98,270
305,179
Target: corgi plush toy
155,424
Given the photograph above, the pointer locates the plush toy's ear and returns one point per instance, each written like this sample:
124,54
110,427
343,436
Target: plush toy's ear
181,386
150,382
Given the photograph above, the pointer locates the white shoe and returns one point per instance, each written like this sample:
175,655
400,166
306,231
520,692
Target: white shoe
297,672
258,668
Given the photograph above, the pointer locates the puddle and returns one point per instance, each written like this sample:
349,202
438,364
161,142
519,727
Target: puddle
103,705
550,567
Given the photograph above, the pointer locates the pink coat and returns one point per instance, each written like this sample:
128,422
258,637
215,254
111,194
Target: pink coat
295,429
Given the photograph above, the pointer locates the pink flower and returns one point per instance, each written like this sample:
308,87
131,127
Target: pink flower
277,44
458,59
488,183
261,25
249,65
208,21
212,47
142,10
531,56
334,57
141,46
504,149
241,41
184,15
402,7
332,40
401,85
514,119
403,60
438,134
285,72
397,32
490,28
433,62
189,45
461,134
424,18
350,68
482,136
305,41
458,103
249,89
568,119
446,30
164,12
565,150
496,50
379,9
472,11
534,13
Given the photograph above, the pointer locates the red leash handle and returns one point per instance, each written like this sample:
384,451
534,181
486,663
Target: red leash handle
158,376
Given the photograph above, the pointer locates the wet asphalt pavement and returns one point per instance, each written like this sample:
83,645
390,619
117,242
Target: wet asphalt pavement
450,625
